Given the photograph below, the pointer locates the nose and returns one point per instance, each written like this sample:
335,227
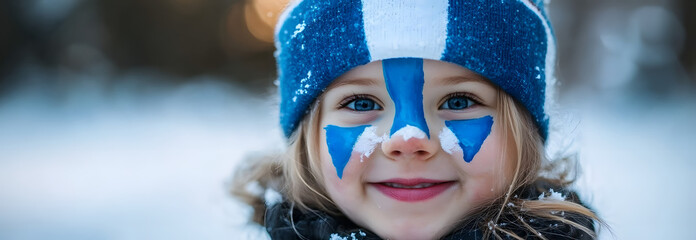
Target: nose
399,147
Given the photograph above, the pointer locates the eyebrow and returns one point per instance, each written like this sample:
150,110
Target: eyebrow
354,81
458,79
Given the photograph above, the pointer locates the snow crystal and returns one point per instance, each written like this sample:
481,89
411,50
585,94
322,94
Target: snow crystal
553,196
335,236
272,197
298,29
409,132
367,142
309,75
491,225
449,141
301,91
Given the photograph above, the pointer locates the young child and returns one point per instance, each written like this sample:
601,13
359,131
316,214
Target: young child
418,119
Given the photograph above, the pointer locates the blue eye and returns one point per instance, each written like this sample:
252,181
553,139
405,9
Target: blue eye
458,103
363,104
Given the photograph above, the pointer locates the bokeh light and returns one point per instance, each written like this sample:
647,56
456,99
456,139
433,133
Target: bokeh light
261,16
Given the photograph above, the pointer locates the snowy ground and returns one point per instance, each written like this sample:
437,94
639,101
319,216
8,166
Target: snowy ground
138,161
638,162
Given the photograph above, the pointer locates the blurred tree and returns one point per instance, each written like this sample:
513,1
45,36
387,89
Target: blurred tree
185,37
7,38
175,36
231,38
688,56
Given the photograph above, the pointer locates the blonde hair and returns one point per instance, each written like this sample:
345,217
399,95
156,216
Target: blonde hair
530,165
296,176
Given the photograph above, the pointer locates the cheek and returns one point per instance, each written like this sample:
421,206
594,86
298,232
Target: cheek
490,158
348,192
328,170
489,174
350,176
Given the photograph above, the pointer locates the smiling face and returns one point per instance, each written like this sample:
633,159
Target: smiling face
401,172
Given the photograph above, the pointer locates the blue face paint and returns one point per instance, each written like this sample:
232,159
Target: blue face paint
404,78
340,141
471,133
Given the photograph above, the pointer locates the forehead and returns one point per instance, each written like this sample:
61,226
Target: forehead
435,72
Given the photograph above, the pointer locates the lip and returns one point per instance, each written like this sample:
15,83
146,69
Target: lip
412,194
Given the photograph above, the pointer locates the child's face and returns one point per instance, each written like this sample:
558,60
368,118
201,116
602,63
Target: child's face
411,173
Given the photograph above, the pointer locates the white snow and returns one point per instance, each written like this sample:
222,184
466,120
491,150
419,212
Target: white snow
133,160
298,29
449,141
272,197
557,196
408,132
335,236
309,75
121,163
300,91
269,195
367,142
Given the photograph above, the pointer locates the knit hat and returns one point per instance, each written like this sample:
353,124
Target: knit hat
509,42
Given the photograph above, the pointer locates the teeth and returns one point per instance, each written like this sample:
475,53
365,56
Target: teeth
422,185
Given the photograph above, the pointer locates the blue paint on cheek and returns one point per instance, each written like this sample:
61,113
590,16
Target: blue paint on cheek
340,141
471,133
404,78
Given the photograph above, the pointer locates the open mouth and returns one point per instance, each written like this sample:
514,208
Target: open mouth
412,190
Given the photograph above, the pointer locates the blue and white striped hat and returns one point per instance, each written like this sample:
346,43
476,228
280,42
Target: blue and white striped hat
509,42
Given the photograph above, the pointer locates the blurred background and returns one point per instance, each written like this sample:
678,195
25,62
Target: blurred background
124,119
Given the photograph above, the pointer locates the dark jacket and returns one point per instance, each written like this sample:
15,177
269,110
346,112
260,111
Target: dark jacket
320,225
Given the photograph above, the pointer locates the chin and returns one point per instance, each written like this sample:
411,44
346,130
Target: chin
411,231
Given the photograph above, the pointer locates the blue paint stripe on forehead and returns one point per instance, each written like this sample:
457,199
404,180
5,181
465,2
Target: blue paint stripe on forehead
404,78
504,41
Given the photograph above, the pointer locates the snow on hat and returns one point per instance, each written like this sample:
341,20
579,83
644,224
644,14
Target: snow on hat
509,42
